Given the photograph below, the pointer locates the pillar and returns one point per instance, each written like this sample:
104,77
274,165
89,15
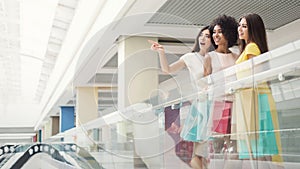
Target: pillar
47,129
137,82
66,121
55,125
137,70
86,105
39,135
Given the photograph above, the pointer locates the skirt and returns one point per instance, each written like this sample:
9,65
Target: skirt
195,125
255,124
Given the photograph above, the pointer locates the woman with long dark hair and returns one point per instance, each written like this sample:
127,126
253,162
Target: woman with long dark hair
265,145
194,62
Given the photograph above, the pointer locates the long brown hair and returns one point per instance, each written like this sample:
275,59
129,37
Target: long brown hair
196,47
256,32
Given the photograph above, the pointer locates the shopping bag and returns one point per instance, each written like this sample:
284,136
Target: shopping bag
222,117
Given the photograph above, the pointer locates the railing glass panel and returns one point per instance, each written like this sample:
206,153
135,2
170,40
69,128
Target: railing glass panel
247,116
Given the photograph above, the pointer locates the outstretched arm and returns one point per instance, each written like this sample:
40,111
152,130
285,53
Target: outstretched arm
179,64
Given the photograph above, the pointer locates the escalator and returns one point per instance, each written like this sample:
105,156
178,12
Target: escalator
48,156
84,159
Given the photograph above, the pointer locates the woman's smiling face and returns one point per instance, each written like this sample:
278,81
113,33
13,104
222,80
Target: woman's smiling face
204,39
243,30
218,36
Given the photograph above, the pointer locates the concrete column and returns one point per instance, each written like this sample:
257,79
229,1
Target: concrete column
137,70
47,129
106,137
86,105
66,118
121,132
55,125
39,135
137,82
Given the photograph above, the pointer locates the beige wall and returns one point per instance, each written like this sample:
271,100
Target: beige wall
86,105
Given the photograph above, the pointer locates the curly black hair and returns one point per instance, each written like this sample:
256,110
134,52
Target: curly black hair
229,28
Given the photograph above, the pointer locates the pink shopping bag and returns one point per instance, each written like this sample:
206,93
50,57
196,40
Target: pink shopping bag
222,117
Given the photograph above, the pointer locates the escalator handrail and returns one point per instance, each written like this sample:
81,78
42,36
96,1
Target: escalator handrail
35,149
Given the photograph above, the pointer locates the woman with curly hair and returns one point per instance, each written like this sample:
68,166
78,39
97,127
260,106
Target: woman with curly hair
224,36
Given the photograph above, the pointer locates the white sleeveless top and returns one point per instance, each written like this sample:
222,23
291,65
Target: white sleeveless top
194,62
220,61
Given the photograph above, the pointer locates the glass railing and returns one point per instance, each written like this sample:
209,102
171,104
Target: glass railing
246,116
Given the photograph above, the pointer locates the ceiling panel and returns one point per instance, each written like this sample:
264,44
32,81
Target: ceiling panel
275,13
64,14
10,88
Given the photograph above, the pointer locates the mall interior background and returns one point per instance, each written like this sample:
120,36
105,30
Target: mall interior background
80,87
